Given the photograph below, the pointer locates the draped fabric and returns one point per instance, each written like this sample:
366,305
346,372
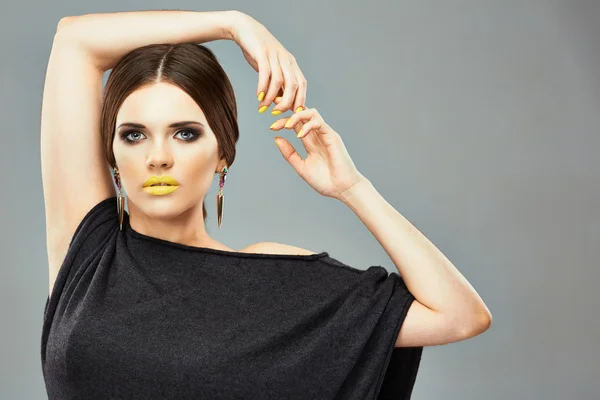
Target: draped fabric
136,317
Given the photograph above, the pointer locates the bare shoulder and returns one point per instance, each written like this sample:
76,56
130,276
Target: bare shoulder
275,248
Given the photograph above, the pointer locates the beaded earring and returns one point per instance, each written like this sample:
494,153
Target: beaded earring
120,198
220,197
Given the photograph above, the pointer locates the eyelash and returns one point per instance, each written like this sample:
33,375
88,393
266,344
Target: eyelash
195,136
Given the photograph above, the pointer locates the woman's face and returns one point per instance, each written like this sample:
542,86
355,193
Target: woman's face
187,152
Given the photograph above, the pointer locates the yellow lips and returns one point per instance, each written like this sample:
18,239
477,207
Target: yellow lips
170,184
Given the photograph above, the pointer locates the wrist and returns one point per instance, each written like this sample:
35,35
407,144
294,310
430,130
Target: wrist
232,20
355,191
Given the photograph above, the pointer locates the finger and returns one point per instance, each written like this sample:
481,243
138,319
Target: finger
278,125
310,126
299,117
284,122
275,84
264,72
291,86
311,120
301,92
277,99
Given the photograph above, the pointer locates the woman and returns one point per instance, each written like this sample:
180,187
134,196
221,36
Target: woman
144,303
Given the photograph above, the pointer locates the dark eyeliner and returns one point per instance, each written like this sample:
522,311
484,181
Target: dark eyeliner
126,133
195,135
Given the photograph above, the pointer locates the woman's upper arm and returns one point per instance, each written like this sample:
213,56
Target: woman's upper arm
75,175
426,327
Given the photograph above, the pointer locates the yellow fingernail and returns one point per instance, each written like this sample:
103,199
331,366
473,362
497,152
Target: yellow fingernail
299,133
276,112
262,109
299,109
261,96
287,124
273,125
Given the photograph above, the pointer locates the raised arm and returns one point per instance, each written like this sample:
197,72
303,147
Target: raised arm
75,175
106,38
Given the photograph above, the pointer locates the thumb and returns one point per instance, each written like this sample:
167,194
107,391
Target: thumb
290,154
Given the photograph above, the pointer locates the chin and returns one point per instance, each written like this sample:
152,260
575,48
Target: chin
165,206
168,206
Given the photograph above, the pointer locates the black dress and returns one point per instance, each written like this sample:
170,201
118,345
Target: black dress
135,317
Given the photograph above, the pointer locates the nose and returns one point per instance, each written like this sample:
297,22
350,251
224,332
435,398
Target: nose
159,156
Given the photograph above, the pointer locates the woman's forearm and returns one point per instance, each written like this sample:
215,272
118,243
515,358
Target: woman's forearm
428,274
107,37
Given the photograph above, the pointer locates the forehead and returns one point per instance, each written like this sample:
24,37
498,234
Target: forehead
159,103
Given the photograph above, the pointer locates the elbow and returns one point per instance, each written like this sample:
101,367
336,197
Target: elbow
65,30
64,21
477,325
61,27
484,321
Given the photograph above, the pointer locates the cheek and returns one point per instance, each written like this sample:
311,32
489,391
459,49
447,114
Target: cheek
125,162
198,167
128,164
127,155
118,151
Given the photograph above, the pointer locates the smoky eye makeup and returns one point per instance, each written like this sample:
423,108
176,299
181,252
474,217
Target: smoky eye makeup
133,136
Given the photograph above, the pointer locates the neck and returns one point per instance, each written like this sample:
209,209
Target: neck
186,228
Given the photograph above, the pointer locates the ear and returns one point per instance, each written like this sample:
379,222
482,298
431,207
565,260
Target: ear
222,164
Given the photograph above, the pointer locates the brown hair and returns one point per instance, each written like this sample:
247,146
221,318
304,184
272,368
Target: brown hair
193,68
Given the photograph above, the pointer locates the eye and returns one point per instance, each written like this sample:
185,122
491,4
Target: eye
189,135
125,136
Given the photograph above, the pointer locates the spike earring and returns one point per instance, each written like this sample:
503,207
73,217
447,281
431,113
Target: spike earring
220,197
120,198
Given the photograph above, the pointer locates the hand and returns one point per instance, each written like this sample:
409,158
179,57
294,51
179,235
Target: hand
277,68
327,167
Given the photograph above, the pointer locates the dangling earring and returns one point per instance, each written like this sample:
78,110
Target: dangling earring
220,197
120,198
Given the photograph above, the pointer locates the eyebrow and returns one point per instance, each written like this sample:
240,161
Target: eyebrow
173,125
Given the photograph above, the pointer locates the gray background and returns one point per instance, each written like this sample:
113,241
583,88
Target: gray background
477,120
